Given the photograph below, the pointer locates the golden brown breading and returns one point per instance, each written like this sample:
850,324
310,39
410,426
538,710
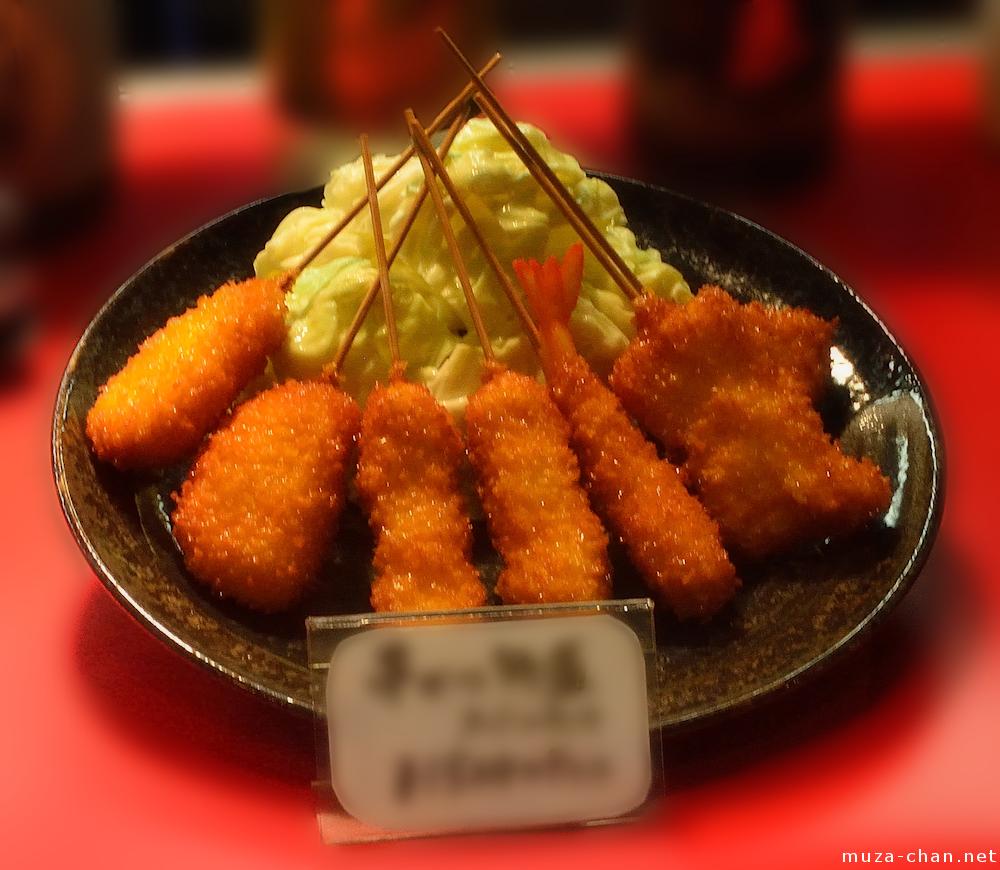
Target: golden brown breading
683,352
554,548
262,502
730,386
770,475
669,537
408,466
182,379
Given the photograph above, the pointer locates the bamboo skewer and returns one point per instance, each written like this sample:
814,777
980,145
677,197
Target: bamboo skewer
439,121
383,266
456,255
549,181
333,368
431,160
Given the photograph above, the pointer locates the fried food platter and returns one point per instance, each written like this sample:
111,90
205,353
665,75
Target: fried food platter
794,613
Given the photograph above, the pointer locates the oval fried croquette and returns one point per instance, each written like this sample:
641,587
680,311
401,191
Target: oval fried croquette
262,502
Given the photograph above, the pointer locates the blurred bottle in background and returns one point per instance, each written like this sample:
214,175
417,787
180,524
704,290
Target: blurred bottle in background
989,20
56,98
56,160
735,93
358,63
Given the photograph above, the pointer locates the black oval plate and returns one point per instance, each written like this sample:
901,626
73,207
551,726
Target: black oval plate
792,615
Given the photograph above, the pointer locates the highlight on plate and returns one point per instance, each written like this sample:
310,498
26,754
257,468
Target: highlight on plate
524,341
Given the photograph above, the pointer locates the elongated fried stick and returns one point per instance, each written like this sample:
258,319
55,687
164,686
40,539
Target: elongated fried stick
554,547
408,480
446,114
605,253
157,408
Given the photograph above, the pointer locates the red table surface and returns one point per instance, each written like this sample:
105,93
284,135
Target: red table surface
117,752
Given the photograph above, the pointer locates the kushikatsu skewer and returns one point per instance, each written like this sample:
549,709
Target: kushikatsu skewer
408,479
261,504
553,546
157,408
605,253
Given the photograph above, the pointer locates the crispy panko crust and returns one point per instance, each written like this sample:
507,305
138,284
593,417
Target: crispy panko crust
730,387
682,353
262,502
669,537
182,379
554,547
408,480
771,476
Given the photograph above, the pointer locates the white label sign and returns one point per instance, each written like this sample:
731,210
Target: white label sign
489,725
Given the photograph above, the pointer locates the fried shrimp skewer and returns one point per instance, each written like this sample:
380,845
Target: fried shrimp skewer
670,538
553,546
182,379
754,445
410,452
262,503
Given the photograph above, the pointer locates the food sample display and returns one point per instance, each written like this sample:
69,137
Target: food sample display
549,401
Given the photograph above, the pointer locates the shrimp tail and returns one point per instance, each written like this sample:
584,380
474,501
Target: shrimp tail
552,289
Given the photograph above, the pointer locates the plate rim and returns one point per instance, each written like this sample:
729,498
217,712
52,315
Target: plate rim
809,670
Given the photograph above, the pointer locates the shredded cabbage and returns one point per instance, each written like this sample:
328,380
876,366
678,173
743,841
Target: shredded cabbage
435,329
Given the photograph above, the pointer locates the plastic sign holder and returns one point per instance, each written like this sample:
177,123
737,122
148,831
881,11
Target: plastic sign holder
489,719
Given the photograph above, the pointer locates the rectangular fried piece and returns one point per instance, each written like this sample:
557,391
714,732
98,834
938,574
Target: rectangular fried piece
729,387
767,471
682,353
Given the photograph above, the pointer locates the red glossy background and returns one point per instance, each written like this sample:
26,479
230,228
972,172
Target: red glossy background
116,752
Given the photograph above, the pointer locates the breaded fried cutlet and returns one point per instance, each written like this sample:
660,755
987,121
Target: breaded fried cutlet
767,471
683,353
729,388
